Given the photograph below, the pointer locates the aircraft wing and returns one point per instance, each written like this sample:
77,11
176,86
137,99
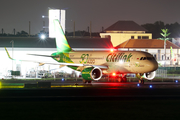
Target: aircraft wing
56,63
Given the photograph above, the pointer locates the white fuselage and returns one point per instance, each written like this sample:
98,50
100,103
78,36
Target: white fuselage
119,61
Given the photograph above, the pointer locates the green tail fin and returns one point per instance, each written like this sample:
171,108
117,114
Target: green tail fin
61,41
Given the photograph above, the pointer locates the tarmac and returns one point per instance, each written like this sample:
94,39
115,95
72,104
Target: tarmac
63,84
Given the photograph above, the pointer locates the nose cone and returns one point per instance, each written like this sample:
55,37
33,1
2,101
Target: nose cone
152,65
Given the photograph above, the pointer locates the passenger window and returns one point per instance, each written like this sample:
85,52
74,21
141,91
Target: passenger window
144,58
141,58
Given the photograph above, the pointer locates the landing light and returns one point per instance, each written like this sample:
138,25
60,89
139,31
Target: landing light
121,61
112,50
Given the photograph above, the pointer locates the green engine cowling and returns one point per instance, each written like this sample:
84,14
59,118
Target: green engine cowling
147,76
92,73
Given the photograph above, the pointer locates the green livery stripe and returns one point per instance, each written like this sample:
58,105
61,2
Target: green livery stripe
61,41
73,67
62,57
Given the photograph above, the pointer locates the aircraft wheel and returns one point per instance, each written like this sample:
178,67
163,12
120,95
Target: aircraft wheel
85,81
141,81
119,79
124,79
89,81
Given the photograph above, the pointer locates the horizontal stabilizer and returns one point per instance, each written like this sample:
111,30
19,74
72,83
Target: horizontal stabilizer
41,55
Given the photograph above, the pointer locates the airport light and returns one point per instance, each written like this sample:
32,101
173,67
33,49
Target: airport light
176,81
43,36
150,86
44,16
12,54
138,84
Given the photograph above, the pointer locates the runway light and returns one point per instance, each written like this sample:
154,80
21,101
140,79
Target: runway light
176,81
150,86
62,79
138,85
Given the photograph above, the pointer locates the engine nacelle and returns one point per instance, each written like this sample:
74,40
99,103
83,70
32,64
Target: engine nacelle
147,76
92,73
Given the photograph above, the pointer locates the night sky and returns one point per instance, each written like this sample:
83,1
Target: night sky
17,13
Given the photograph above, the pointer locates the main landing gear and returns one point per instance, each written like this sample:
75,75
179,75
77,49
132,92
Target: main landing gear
141,81
86,81
124,78
118,78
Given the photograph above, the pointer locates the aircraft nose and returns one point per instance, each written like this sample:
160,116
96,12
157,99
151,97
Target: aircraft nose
152,65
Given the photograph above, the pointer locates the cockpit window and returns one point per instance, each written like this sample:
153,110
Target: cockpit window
144,58
147,58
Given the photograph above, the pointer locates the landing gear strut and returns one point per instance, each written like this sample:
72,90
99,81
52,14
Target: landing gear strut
141,81
124,78
86,81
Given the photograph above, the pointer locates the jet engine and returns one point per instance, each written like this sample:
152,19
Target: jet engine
92,73
148,76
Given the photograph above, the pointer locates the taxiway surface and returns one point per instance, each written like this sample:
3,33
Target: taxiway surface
96,90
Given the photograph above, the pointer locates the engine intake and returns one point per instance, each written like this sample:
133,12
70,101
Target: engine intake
92,73
148,76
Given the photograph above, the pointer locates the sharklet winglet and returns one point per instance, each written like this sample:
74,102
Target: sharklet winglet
8,54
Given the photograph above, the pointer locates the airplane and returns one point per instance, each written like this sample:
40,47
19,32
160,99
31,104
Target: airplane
93,64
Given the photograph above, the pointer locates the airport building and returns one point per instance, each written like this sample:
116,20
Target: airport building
128,35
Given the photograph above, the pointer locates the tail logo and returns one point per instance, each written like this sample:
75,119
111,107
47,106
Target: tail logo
84,58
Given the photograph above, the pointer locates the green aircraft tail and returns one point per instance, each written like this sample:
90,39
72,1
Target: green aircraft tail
61,41
63,48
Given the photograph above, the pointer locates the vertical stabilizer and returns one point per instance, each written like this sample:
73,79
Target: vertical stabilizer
61,41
